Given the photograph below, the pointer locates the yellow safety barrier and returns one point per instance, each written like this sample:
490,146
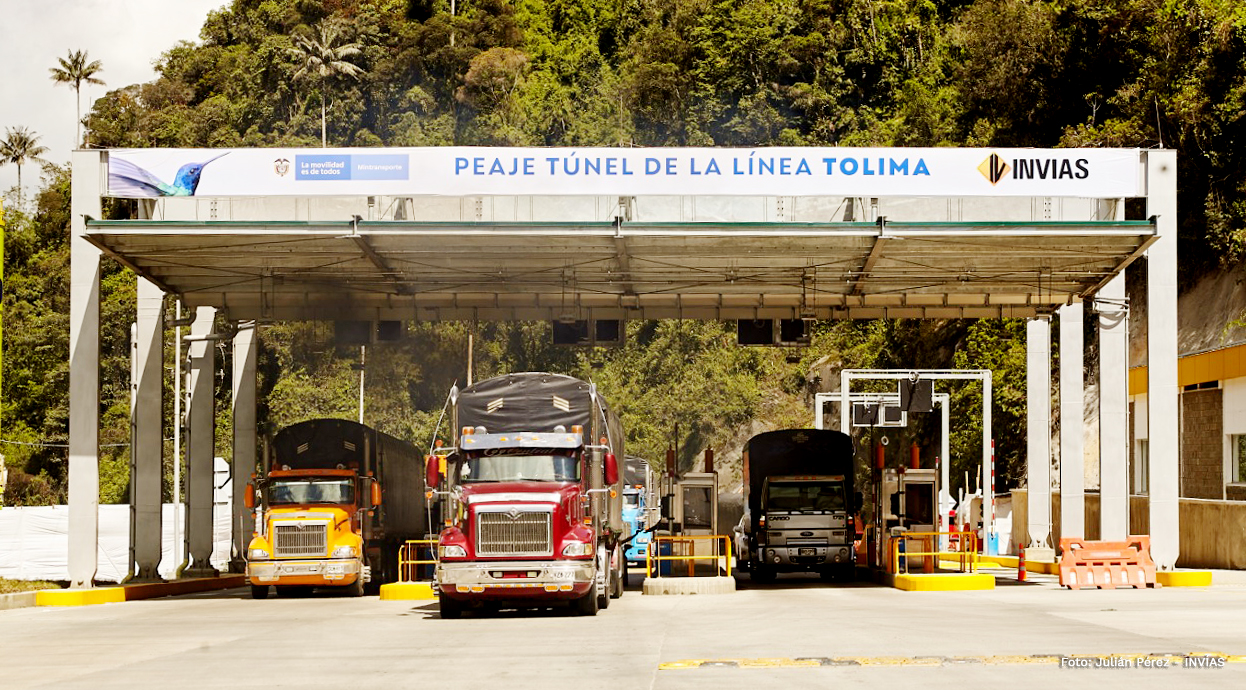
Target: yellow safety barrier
686,543
966,553
409,567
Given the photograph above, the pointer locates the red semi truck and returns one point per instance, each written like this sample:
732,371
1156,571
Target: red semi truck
532,495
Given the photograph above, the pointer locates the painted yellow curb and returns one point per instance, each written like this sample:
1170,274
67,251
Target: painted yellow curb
1030,566
408,590
944,582
1183,578
80,597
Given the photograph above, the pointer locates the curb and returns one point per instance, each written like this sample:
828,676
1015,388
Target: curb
1183,578
944,582
407,591
17,600
689,585
119,593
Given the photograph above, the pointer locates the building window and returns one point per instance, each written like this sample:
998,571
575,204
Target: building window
1142,467
1238,442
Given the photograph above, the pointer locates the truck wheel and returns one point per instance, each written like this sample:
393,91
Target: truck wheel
603,580
450,609
587,604
618,577
259,591
355,589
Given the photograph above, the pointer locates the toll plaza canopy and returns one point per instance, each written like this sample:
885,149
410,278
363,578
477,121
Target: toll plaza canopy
489,233
595,233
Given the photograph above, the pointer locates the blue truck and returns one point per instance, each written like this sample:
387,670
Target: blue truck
638,508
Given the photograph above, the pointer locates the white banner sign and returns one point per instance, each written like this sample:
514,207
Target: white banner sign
472,171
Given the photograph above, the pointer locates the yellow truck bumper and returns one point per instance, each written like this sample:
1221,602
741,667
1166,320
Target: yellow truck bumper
315,572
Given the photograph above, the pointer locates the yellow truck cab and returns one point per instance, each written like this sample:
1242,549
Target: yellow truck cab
338,501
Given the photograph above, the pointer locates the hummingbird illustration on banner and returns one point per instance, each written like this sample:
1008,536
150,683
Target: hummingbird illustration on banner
129,180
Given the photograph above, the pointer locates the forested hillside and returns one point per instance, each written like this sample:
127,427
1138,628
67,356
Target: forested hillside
1131,73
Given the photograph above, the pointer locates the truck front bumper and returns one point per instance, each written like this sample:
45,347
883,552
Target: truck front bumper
515,579
783,556
324,572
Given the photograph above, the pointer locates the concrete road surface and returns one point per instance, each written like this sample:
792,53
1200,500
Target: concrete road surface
796,633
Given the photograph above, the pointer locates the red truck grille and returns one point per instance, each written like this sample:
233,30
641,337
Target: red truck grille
514,533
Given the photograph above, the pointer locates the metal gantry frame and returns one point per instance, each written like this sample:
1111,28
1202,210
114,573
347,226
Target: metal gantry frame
987,478
942,462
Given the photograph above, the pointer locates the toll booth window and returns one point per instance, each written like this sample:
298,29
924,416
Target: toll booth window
295,492
698,505
632,500
919,504
802,497
520,468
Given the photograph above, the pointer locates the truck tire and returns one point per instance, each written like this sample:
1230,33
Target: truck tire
618,576
603,580
259,591
355,589
587,604
450,609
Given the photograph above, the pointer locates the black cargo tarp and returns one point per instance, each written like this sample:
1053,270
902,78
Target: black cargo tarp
535,401
322,444
795,452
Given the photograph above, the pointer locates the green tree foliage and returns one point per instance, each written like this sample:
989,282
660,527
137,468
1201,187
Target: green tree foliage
19,147
75,69
991,73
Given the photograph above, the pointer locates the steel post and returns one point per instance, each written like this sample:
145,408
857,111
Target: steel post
84,329
1072,414
1113,410
1162,394
1038,431
148,430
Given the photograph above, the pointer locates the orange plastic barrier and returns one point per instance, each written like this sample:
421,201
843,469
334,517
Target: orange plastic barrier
1107,564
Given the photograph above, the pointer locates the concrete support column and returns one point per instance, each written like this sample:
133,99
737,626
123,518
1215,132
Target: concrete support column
148,438
1162,393
1113,410
1038,432
201,433
84,331
243,520
1072,403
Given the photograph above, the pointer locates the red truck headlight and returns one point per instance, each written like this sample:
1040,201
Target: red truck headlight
577,548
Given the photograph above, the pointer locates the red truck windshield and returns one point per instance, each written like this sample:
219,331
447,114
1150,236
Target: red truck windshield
520,468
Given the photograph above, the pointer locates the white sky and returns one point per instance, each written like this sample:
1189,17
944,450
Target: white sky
126,36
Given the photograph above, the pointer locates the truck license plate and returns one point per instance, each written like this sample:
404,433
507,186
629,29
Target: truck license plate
806,552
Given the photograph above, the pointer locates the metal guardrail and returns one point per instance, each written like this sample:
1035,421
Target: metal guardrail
687,544
409,567
966,553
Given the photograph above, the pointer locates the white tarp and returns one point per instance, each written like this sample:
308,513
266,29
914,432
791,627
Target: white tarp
470,171
34,542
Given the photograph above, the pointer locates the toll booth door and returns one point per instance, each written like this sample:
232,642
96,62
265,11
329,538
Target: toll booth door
698,507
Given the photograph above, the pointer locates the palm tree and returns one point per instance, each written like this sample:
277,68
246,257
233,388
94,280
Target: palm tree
75,70
324,56
20,145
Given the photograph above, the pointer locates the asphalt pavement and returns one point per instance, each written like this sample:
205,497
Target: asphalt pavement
795,633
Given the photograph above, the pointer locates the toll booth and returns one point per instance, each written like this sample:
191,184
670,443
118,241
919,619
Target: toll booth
908,505
696,507
691,509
